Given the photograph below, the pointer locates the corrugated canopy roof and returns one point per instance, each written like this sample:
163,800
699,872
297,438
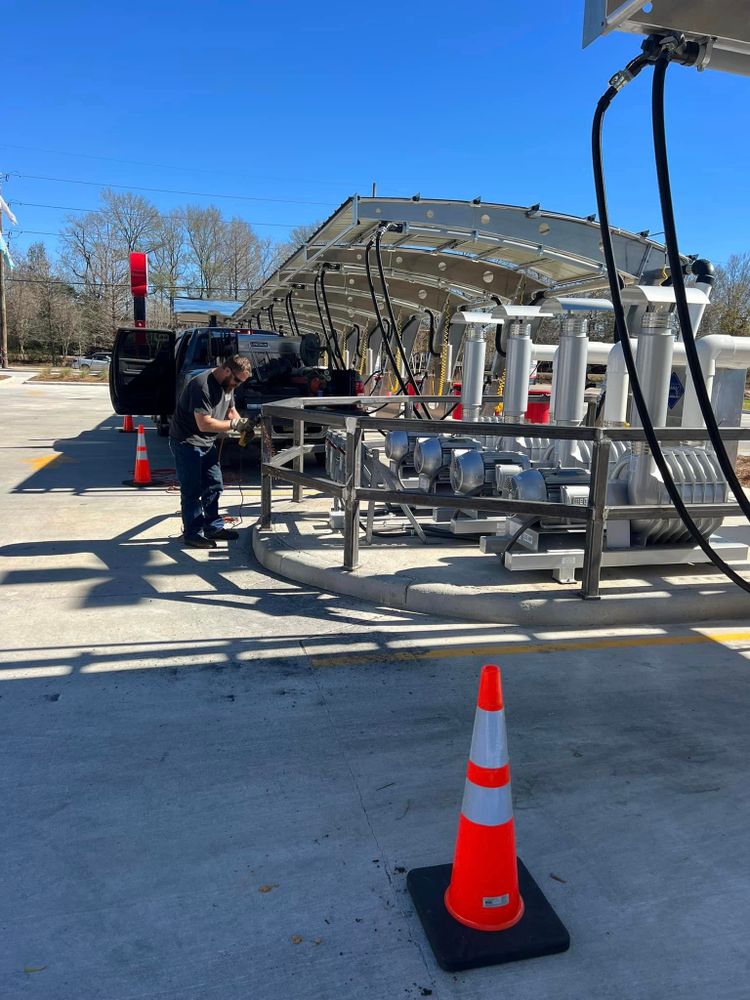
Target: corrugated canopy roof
447,252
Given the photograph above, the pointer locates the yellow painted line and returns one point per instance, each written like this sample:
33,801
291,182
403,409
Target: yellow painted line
514,648
44,460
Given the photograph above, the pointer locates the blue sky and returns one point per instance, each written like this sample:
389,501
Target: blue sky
305,104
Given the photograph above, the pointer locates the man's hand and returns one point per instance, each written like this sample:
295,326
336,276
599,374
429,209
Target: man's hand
241,424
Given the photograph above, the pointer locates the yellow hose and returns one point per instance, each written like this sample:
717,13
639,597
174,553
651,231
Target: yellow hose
444,349
500,392
365,340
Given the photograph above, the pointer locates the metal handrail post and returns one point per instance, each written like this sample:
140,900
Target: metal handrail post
594,545
298,441
353,475
266,478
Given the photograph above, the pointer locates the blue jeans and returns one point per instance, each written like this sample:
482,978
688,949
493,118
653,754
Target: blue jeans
201,483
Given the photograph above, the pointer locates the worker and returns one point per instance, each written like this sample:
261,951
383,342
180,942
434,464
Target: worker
204,410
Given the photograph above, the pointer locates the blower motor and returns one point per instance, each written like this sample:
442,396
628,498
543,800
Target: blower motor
432,458
568,486
473,472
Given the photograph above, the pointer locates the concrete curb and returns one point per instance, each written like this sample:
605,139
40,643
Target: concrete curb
686,604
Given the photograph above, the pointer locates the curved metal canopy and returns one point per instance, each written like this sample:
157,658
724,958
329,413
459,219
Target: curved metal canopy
446,253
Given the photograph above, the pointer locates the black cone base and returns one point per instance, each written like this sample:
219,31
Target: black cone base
456,947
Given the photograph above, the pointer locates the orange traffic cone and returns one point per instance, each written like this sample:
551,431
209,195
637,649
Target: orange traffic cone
483,892
127,425
142,472
485,908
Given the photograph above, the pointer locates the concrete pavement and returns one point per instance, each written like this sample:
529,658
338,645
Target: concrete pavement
214,781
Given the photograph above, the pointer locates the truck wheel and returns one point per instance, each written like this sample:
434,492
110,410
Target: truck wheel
85,369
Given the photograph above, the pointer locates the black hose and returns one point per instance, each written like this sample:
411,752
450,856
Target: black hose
270,317
621,330
600,404
294,314
357,354
331,355
678,281
448,412
334,337
289,314
434,351
381,321
499,340
391,314
369,378
525,525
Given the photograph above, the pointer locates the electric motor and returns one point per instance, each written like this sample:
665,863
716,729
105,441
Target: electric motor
398,444
568,486
433,453
474,471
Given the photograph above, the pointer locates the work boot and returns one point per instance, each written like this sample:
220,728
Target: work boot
199,542
227,534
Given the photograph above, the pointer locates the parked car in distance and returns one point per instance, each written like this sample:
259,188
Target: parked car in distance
97,362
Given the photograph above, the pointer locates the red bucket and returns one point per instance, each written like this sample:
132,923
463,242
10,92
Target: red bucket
538,409
458,413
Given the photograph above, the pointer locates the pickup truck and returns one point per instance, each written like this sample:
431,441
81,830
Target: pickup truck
151,367
97,362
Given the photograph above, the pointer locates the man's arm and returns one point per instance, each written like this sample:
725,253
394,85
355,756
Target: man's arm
209,424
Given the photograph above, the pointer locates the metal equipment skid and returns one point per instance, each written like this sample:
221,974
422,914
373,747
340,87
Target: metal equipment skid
548,549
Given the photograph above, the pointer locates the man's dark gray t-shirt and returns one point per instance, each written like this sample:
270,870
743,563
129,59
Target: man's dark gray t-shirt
204,394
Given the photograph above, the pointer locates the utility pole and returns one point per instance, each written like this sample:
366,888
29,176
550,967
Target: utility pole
3,314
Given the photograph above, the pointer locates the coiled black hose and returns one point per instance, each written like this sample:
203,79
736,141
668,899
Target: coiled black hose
632,70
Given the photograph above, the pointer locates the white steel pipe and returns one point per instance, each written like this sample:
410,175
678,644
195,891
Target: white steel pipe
715,351
570,385
654,367
518,366
472,382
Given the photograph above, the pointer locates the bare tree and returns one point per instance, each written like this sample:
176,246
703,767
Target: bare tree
729,311
298,235
22,305
169,259
134,220
204,231
95,256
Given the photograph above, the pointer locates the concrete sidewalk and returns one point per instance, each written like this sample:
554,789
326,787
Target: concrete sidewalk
214,781
453,578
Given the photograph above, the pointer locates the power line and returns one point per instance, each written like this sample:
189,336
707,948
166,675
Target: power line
196,194
74,208
32,232
64,208
160,166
